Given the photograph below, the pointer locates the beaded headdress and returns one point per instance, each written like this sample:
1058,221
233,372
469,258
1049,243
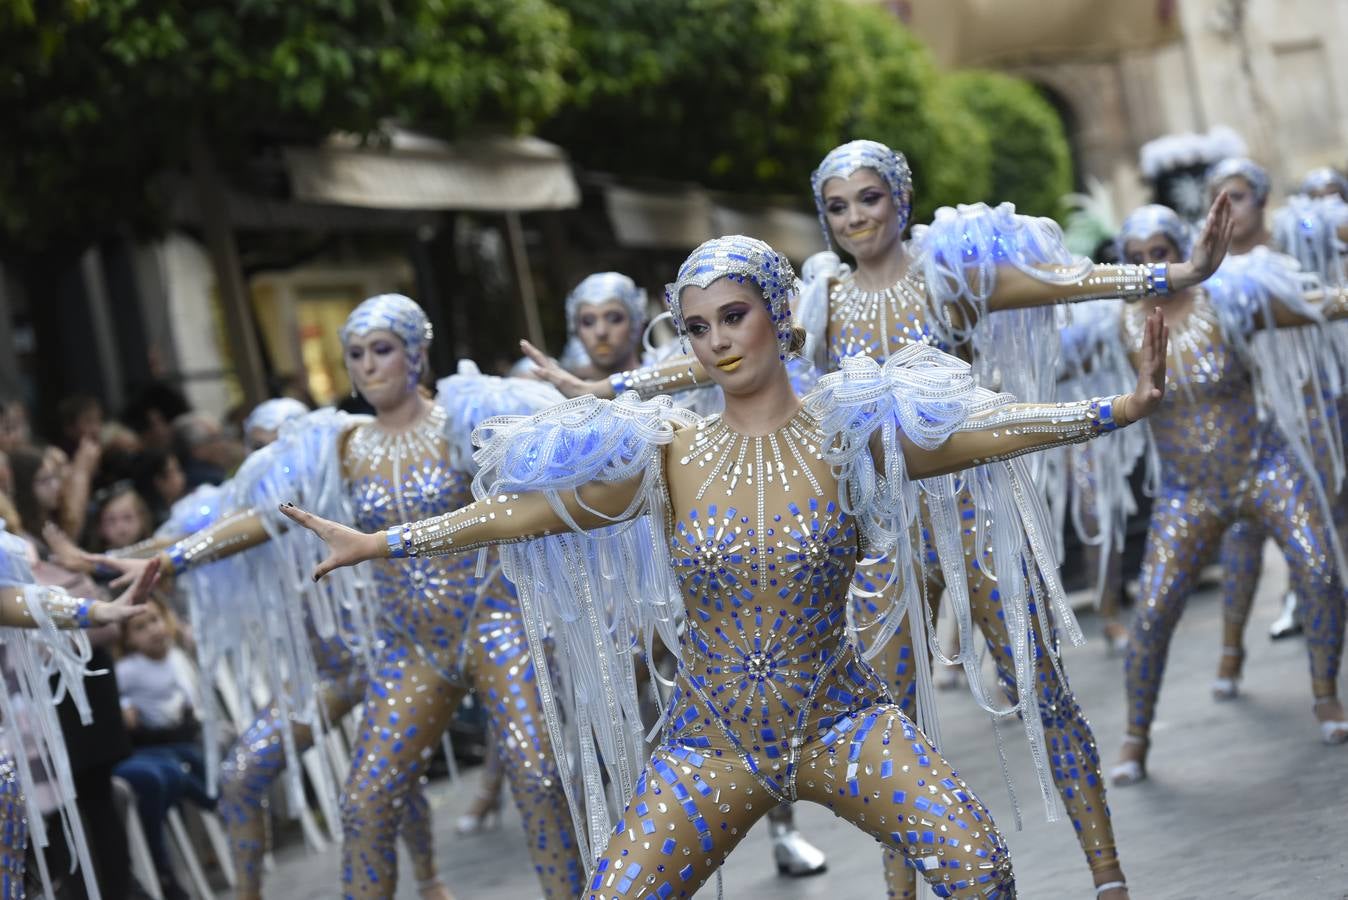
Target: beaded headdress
1241,167
398,314
1323,177
741,259
1151,219
270,415
844,160
602,287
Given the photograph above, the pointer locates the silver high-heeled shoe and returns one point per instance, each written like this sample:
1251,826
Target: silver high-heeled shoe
1288,624
474,823
795,856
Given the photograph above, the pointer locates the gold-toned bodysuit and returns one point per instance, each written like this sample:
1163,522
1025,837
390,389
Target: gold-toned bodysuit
772,699
877,324
1221,464
429,632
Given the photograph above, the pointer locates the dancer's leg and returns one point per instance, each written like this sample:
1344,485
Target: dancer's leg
1285,504
13,832
1242,561
1073,754
407,707
876,770
685,816
419,839
1183,535
254,763
502,673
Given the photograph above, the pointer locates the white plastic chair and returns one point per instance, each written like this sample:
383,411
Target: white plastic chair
142,864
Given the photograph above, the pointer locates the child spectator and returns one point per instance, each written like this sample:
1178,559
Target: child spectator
160,696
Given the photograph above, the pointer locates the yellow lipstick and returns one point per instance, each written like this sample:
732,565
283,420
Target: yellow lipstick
730,364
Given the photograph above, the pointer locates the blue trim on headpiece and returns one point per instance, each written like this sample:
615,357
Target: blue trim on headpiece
742,259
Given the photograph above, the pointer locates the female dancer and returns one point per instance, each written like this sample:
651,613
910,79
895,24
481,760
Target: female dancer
333,679
934,291
27,705
762,513
1308,229
429,632
1219,463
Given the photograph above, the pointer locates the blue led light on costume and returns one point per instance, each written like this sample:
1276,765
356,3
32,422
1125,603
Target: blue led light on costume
843,161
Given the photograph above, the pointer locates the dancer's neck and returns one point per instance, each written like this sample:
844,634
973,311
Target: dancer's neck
882,271
403,414
764,411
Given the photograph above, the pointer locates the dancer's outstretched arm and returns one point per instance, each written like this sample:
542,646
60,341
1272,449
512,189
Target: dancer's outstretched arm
1332,304
1018,428
1017,290
233,534
680,373
499,519
66,611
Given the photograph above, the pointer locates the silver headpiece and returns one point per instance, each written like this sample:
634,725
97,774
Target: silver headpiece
1323,177
1151,219
1238,166
398,314
741,259
844,160
270,415
602,287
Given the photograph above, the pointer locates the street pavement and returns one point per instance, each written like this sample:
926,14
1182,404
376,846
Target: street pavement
1243,799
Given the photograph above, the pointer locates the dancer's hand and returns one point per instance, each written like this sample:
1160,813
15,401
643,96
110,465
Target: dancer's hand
551,371
131,603
64,552
346,546
1150,391
131,568
1209,247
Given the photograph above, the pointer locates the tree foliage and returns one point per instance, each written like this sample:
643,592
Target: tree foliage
740,94
101,94
899,102
1032,164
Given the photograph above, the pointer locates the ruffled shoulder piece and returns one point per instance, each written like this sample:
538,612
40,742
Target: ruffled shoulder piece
926,396
1295,371
257,612
65,652
960,254
591,600
817,275
470,398
1306,228
38,668
205,506
920,393
1246,286
1095,363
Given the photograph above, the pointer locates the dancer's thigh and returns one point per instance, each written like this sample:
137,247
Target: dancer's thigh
685,816
879,772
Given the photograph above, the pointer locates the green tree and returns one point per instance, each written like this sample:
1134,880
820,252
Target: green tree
101,95
899,100
745,95
1032,163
